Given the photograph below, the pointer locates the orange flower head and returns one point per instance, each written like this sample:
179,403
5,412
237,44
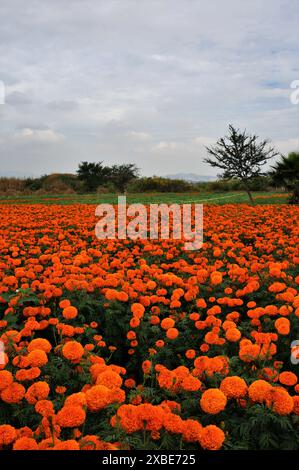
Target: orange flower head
73,351
97,397
172,333
288,378
7,435
25,443
213,401
211,437
6,379
70,312
40,343
233,387
37,358
71,416
258,391
167,323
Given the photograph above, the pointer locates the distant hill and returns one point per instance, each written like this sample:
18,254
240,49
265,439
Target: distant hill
191,177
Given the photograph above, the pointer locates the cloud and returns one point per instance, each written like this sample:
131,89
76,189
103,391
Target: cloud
39,135
204,141
165,146
149,82
287,146
140,136
17,98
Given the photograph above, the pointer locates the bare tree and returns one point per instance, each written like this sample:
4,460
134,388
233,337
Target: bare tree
240,156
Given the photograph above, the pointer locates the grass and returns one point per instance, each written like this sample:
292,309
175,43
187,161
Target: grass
149,198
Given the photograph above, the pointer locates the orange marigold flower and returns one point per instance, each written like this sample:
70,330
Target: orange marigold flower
233,387
37,391
14,393
73,351
249,352
7,435
170,405
97,397
172,333
37,358
70,416
69,312
77,399
146,366
213,401
211,437
6,379
23,375
39,343
109,379
25,431
233,334
191,384
128,418
138,310
216,278
117,395
282,326
44,408
25,443
130,383
48,443
190,354
70,444
258,391
191,430
167,323
282,403
277,287
288,378
151,416
173,423
64,303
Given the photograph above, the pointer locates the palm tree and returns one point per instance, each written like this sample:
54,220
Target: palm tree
286,173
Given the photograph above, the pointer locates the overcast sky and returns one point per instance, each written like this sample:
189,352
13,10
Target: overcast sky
144,81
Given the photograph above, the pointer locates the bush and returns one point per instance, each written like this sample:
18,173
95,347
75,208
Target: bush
106,188
159,184
11,186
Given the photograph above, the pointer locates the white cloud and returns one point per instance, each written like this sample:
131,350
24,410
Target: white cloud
286,146
140,136
151,82
204,141
165,146
39,135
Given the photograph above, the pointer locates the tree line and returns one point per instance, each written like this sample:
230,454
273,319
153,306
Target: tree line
240,156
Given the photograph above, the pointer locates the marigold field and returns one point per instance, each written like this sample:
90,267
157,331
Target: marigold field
126,344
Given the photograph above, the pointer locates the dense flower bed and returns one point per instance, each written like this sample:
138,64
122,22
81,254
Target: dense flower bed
143,345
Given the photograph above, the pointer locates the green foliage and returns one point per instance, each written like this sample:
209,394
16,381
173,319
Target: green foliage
93,175
160,184
286,173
